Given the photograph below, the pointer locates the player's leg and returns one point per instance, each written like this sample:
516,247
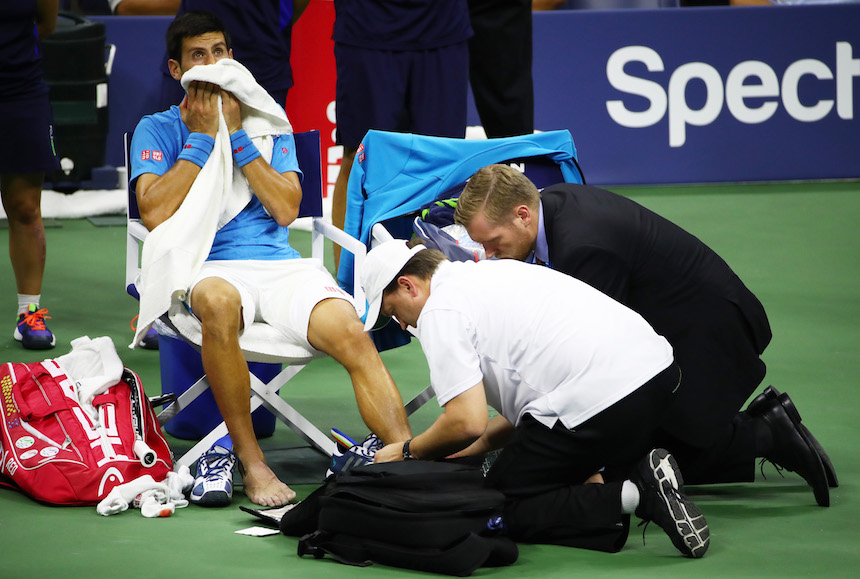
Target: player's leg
218,306
334,328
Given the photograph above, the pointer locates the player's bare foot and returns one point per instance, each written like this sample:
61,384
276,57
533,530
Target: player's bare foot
263,487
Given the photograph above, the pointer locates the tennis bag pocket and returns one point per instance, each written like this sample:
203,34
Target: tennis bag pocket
428,516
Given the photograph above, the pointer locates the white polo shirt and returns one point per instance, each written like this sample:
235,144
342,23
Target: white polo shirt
542,342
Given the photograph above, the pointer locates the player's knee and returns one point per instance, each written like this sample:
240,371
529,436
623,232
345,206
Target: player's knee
218,307
337,331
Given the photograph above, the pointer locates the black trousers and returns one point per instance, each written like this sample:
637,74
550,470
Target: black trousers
500,65
541,470
731,458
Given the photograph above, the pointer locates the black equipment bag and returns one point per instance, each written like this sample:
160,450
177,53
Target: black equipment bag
429,516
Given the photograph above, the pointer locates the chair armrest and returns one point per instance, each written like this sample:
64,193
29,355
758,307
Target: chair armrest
137,230
358,250
135,235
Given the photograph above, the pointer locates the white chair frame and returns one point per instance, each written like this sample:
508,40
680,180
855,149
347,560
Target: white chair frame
262,394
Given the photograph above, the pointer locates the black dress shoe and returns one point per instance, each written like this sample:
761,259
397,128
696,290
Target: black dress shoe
772,396
791,450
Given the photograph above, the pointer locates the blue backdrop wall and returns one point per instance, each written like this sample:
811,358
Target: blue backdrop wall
683,95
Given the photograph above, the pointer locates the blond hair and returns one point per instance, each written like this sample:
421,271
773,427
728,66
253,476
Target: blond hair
496,190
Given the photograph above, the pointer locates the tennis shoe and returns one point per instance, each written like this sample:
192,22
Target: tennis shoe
31,330
662,500
348,460
344,442
213,486
372,443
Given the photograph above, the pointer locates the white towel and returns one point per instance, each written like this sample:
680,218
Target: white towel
174,251
93,366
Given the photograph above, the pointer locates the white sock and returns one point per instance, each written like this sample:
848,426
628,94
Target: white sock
629,497
24,301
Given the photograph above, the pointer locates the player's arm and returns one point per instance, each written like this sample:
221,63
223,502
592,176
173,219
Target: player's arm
160,196
280,193
463,422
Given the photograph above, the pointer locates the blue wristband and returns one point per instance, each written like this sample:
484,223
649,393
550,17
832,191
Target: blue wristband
197,148
244,150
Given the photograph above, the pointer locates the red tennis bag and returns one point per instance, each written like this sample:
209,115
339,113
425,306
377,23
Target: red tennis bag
53,450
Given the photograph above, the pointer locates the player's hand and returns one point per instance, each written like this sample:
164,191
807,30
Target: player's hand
232,112
200,108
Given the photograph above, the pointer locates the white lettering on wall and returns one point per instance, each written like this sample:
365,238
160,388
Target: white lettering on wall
751,92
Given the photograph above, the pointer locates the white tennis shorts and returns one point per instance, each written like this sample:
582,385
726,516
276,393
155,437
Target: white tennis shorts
280,293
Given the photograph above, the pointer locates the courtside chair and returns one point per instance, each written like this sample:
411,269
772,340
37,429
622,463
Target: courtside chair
262,394
394,175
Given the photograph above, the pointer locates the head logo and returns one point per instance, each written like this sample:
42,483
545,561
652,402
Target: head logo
111,476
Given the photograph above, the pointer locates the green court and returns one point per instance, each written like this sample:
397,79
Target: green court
794,244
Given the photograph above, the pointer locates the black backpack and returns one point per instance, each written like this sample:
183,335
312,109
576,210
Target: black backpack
428,516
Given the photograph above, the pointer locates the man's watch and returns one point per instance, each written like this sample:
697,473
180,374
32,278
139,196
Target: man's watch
407,454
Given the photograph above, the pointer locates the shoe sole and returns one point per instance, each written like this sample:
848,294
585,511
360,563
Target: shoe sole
29,346
690,533
212,499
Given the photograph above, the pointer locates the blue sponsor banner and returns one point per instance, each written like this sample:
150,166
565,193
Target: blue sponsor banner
676,95
693,95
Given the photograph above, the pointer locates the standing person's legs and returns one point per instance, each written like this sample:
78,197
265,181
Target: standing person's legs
22,197
26,155
369,94
438,85
504,94
338,200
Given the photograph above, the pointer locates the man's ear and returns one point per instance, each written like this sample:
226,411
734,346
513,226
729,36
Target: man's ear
174,68
524,214
408,284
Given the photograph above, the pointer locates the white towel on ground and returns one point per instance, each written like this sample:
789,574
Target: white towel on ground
152,496
174,251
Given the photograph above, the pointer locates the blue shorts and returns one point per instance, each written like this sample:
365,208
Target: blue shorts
422,91
26,143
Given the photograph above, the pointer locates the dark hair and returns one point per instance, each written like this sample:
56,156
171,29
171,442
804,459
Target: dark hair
189,25
423,265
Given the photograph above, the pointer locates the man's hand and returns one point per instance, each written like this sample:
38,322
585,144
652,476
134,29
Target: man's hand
596,478
389,453
200,108
232,113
